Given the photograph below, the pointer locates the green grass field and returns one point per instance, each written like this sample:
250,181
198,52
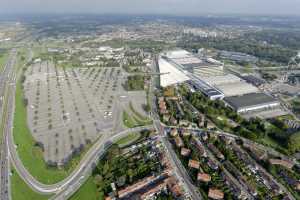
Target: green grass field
3,58
128,121
87,191
20,191
139,115
132,137
135,118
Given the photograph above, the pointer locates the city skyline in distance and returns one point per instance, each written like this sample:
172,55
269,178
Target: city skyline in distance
169,7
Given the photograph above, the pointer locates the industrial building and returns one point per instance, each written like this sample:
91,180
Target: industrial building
211,92
236,88
179,66
170,74
237,56
230,85
251,102
207,75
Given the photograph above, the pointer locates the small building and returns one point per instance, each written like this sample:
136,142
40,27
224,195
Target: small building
203,177
297,186
284,163
212,164
185,152
186,133
174,132
176,191
178,141
210,125
173,121
174,187
194,164
215,194
225,139
200,149
162,105
216,151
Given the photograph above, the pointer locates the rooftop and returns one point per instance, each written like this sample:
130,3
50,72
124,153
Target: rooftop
194,164
215,194
185,152
170,74
285,163
249,100
203,177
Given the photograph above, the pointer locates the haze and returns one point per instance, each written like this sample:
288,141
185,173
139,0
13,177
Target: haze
173,7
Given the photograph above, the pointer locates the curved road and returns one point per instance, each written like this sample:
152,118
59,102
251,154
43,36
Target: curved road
64,188
83,168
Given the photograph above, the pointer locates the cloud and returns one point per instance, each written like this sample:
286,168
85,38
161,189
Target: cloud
182,7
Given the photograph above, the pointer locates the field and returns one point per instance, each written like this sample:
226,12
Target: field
87,191
128,139
20,191
133,118
3,58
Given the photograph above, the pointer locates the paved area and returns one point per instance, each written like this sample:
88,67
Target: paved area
6,80
71,108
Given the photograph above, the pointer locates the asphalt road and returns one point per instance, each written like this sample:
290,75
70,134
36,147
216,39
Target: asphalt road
180,171
6,78
66,187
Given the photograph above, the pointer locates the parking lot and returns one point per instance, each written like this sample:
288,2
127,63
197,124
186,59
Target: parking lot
70,108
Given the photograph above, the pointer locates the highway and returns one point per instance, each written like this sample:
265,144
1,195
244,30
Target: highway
67,187
6,78
9,154
64,188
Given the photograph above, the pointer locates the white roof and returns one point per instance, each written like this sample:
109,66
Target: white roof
237,88
172,76
219,80
178,54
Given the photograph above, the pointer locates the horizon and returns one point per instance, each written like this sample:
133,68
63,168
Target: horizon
155,7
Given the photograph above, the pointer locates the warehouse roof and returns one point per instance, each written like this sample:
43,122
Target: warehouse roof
171,75
236,88
223,79
249,100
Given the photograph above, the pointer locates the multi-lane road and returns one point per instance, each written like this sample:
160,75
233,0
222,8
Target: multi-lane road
6,80
63,189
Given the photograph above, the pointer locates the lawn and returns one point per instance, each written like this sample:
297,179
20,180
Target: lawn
30,154
139,115
128,121
20,191
3,58
87,191
132,121
130,138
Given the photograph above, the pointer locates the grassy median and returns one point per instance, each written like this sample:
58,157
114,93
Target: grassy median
3,59
129,139
87,191
20,191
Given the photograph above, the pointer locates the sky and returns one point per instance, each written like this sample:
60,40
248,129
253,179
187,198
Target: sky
169,7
